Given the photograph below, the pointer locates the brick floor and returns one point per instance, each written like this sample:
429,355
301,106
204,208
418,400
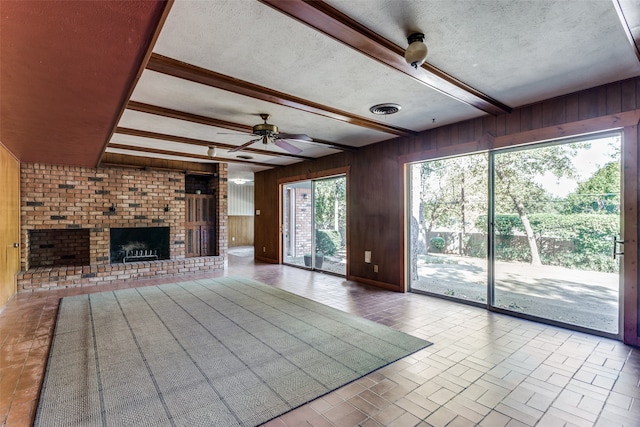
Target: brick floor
483,368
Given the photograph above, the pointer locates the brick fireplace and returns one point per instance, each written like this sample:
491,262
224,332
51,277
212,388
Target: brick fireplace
138,244
68,215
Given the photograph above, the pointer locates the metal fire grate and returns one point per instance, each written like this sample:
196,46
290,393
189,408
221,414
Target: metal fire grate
140,255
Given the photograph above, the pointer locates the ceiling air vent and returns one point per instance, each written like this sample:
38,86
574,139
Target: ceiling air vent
385,109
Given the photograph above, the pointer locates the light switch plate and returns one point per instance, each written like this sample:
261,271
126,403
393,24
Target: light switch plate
367,257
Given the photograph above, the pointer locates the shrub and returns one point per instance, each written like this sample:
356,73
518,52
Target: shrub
581,241
436,243
328,241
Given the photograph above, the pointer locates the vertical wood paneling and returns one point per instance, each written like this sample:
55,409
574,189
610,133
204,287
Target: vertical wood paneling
444,136
602,100
501,125
465,131
525,118
478,128
628,95
513,122
553,112
454,136
572,108
267,224
614,100
536,116
240,230
9,224
588,104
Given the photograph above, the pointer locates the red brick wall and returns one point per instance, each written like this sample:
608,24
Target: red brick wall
65,197
223,208
304,211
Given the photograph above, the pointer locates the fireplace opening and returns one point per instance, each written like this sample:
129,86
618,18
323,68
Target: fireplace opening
138,244
58,247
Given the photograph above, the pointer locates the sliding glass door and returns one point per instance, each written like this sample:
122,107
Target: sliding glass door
531,231
556,216
449,227
314,224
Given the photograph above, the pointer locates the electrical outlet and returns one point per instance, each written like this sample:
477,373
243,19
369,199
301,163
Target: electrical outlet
264,249
233,239
375,268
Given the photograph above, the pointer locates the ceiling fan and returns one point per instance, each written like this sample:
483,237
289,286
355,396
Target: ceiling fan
267,133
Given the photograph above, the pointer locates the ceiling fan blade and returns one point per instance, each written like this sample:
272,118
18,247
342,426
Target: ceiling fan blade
286,146
295,137
245,145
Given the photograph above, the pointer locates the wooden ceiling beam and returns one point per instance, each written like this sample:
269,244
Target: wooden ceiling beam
203,143
330,21
183,70
187,155
193,118
209,121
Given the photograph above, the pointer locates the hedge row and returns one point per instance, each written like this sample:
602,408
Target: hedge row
581,241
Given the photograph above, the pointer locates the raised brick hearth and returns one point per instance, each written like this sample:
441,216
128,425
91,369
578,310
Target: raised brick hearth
56,199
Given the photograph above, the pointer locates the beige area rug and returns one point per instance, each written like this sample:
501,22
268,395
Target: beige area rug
215,352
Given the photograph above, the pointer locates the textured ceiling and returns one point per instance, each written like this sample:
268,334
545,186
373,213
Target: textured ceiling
216,65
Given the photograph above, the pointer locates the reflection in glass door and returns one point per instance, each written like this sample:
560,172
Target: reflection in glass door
297,203
556,216
314,224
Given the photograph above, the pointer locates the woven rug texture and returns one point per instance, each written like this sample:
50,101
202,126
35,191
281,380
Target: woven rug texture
216,352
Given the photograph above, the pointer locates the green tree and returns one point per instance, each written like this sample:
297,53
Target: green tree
452,193
598,194
330,199
516,190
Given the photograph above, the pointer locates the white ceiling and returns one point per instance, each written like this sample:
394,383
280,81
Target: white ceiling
516,52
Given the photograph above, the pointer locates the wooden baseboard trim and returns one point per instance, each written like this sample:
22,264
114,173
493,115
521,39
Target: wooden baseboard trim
389,286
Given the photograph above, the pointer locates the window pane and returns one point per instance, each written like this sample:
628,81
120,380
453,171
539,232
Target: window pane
557,213
449,227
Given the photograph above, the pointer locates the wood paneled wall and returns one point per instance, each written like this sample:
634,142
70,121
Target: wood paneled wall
376,184
240,230
9,223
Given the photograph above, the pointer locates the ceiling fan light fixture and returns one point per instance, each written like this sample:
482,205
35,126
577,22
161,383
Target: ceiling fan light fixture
385,109
212,152
265,129
416,52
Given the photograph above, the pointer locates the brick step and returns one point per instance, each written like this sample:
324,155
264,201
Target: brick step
43,278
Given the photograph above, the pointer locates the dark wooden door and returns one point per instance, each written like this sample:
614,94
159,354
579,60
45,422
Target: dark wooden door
200,225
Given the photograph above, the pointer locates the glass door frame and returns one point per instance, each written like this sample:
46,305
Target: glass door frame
311,177
491,280
629,301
